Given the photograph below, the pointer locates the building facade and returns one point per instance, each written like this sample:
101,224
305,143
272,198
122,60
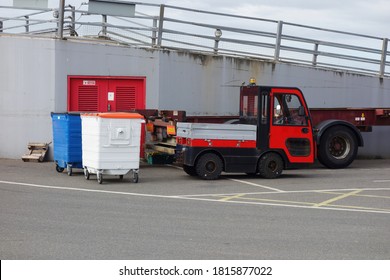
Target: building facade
35,81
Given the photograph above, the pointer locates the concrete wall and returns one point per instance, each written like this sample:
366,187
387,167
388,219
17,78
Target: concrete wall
83,58
27,87
204,85
33,83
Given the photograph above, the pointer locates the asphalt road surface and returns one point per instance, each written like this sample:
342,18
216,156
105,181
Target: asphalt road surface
307,214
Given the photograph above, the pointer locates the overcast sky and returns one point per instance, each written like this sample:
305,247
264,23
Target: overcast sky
360,16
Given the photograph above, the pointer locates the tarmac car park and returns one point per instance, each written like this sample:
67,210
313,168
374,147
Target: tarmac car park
321,214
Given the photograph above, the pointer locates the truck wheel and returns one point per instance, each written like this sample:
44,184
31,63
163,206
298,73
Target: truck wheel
338,147
209,166
270,166
190,170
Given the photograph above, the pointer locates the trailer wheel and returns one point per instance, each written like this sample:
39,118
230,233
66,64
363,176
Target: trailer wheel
209,166
190,170
270,166
338,147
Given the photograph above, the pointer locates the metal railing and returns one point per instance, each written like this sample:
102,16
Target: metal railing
171,27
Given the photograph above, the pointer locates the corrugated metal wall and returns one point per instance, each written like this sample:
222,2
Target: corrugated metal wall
33,83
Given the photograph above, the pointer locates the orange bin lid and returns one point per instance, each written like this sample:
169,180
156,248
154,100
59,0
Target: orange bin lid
114,115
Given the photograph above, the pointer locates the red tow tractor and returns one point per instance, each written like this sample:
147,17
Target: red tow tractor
275,131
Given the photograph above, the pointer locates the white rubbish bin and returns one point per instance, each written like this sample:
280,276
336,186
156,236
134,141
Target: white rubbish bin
111,144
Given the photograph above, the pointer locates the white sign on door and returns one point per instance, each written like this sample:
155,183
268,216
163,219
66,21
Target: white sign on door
110,96
89,83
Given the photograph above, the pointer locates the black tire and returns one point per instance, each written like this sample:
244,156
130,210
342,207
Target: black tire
190,170
270,166
69,170
135,177
59,169
86,173
100,178
338,147
120,177
209,166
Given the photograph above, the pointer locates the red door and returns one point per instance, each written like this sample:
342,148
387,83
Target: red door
105,94
290,130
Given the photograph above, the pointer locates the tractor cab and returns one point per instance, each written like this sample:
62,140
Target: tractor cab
282,119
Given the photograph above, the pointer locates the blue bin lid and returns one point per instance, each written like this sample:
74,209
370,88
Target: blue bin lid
66,113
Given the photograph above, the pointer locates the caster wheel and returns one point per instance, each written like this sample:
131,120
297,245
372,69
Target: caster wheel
86,174
59,169
135,177
69,170
100,178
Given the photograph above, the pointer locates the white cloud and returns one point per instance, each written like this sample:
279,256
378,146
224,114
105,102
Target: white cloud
360,16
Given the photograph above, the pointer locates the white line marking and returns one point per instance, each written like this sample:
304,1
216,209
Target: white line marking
381,181
82,190
287,192
254,184
197,198
239,181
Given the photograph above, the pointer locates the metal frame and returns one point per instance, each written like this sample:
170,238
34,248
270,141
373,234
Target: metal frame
168,27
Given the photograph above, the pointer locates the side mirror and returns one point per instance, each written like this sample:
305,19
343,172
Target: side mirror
301,111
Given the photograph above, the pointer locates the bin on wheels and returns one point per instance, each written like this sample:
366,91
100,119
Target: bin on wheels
67,141
111,144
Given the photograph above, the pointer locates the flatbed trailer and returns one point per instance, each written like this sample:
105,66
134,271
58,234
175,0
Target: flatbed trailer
363,118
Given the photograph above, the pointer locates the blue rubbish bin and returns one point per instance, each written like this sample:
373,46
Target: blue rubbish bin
67,141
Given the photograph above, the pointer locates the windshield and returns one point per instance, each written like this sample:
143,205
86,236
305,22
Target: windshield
286,110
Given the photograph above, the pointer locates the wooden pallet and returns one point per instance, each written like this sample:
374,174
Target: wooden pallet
37,152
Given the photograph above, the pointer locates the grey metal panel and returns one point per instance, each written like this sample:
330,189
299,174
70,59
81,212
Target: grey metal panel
216,131
112,8
31,3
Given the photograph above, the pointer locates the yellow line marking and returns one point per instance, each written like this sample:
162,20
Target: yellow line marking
358,207
329,201
277,200
325,203
232,197
331,208
360,195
